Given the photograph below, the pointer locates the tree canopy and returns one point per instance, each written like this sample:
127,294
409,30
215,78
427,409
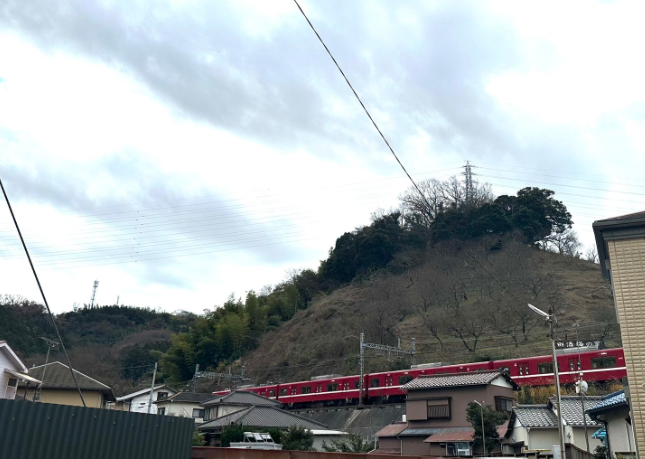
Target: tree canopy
492,419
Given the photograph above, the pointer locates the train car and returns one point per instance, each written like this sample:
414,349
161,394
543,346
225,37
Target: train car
386,387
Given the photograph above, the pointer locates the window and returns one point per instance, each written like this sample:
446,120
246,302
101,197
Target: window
503,404
346,386
318,388
306,389
198,413
603,362
461,448
374,382
526,369
13,382
545,367
572,364
388,381
357,385
162,395
521,370
332,387
161,411
272,393
404,380
439,408
294,391
283,391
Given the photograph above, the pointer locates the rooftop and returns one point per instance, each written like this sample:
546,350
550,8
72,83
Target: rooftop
239,397
264,417
392,430
58,376
141,392
609,401
475,378
572,409
535,416
186,397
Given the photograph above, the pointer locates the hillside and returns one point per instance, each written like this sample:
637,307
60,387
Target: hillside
463,302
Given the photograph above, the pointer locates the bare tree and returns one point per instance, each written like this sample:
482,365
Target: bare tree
565,243
592,255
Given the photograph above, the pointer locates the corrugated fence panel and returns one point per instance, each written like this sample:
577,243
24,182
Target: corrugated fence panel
44,431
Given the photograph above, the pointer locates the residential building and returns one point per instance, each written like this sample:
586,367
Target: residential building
252,411
58,387
612,412
436,405
183,404
12,370
535,427
139,401
621,252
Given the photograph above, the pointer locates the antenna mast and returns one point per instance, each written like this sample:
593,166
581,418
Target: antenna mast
96,285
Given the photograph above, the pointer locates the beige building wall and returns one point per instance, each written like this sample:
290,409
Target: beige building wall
627,259
93,399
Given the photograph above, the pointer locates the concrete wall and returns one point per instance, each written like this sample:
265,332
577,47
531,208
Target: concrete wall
621,437
93,399
460,398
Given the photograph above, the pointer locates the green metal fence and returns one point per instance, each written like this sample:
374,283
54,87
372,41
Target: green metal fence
45,431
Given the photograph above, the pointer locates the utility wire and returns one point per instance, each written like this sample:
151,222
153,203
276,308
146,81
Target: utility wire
42,293
361,102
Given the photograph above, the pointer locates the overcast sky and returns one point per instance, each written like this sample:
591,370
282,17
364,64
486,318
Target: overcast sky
180,151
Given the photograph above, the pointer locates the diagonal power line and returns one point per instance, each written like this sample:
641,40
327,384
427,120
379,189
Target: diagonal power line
361,102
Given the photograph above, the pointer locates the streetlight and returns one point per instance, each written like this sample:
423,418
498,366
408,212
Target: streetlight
550,317
481,406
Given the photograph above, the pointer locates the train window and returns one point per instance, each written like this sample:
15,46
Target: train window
404,379
545,367
332,387
294,391
374,382
603,362
346,386
388,381
526,369
271,393
357,385
283,391
306,389
318,388
521,370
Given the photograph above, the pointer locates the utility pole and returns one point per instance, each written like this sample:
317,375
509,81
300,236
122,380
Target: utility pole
152,387
96,285
51,343
581,387
481,407
380,347
550,317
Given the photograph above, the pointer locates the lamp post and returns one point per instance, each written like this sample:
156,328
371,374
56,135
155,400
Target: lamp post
481,407
550,317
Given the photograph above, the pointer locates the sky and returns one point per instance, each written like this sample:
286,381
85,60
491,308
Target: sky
179,151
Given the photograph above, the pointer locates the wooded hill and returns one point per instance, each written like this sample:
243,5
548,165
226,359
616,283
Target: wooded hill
453,268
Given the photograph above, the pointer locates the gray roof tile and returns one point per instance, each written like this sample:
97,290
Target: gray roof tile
58,376
239,397
535,416
187,397
474,378
263,416
572,409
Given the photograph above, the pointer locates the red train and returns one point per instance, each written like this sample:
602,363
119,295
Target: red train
596,365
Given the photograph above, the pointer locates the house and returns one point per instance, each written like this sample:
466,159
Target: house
138,401
58,387
612,413
435,407
535,427
621,252
183,404
12,370
250,410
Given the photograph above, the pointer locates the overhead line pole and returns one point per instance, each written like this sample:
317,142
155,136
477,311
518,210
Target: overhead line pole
42,293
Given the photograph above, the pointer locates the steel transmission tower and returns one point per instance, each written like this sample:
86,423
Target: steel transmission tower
96,285
468,181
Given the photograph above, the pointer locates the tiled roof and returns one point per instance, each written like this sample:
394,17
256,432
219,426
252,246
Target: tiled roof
262,416
187,397
535,416
238,397
475,378
634,215
392,430
143,391
451,434
572,409
58,376
608,401
419,432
